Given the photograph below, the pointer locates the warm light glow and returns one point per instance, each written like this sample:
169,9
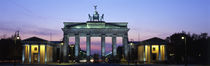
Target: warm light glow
82,60
42,54
147,53
34,49
26,52
71,45
183,37
34,53
171,54
162,52
18,37
91,60
155,50
141,53
49,54
62,43
131,44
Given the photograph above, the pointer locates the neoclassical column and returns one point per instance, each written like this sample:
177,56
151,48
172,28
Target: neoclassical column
60,54
23,54
39,53
144,56
114,46
45,58
125,45
77,45
164,52
103,46
88,40
159,57
29,53
65,47
150,53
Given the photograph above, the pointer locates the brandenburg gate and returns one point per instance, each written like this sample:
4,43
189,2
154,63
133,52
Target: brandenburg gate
95,27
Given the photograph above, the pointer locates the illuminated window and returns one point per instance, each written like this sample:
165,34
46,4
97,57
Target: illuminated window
35,48
153,48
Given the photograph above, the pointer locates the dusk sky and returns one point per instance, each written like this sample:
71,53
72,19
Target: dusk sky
146,18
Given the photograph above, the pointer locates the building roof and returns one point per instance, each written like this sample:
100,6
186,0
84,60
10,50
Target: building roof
34,40
154,40
134,42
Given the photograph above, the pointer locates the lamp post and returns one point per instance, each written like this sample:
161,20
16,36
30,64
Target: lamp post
131,44
61,44
17,37
184,38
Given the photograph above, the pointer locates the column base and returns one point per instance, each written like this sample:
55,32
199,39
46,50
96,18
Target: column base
65,59
114,59
77,59
88,59
103,59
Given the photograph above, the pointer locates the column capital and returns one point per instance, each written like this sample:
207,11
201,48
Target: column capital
65,33
114,35
76,34
103,35
125,36
88,35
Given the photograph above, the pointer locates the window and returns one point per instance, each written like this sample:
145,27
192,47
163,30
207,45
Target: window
35,48
153,49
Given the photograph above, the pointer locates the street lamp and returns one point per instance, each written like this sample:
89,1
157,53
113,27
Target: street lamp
131,44
184,38
62,44
60,59
17,37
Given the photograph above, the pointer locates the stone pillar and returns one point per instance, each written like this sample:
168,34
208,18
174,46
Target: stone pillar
150,54
45,54
103,46
159,57
45,58
39,53
77,47
60,54
144,57
65,47
165,52
125,45
88,40
23,54
29,54
114,46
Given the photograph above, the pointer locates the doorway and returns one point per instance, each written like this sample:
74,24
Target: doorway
35,58
154,56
